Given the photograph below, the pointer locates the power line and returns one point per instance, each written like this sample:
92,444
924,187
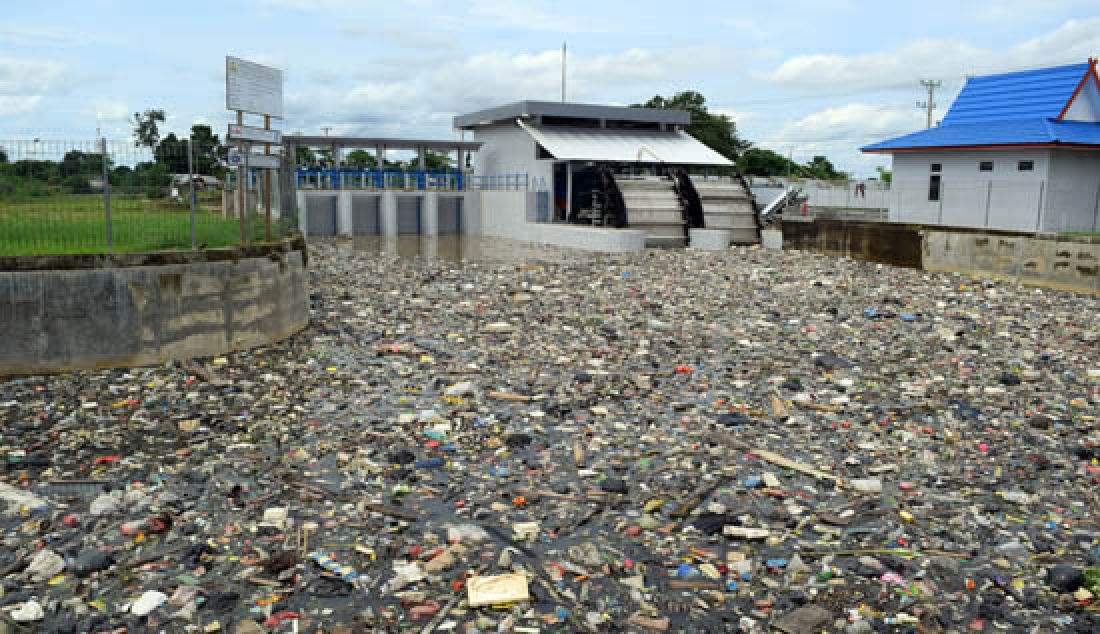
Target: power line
930,105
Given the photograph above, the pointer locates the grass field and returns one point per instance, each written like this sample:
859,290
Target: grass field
75,223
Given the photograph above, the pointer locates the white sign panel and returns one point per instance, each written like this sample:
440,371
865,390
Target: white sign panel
255,161
253,87
264,162
250,133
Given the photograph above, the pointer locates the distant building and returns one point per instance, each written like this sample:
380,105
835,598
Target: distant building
201,181
1017,151
570,151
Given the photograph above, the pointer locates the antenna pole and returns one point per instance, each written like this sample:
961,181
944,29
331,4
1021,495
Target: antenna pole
930,105
563,72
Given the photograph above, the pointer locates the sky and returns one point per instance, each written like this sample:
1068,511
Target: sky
799,77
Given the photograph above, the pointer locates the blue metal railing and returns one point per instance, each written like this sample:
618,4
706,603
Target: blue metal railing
380,179
408,180
501,182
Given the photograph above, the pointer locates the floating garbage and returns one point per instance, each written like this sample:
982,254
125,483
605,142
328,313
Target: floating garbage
672,441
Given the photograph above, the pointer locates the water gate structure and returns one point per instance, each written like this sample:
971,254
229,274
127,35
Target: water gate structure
618,167
537,171
355,190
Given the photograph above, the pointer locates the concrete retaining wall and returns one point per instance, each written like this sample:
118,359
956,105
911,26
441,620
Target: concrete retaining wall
1038,261
1070,264
895,244
504,214
710,239
59,314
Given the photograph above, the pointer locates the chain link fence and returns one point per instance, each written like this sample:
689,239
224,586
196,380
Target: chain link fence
70,197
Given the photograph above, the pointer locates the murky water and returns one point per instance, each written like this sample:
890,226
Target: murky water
464,248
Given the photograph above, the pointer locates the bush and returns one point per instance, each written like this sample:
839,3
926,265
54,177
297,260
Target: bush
76,184
154,192
13,187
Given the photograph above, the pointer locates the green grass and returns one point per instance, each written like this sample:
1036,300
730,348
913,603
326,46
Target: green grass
75,223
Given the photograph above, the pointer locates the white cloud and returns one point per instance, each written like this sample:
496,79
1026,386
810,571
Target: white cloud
527,15
1073,41
11,106
852,123
21,77
426,100
739,117
110,110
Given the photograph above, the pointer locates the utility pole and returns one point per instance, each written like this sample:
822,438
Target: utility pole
563,72
930,105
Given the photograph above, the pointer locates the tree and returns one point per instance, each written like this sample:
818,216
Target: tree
884,174
172,154
437,161
37,170
3,155
764,162
821,167
305,157
716,131
84,163
208,155
145,127
154,177
360,160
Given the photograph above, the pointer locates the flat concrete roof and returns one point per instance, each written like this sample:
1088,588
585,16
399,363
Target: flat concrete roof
373,142
511,111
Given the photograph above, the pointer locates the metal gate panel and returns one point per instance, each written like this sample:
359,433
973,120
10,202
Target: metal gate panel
321,215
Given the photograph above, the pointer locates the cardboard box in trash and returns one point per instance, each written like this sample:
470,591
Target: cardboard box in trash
497,589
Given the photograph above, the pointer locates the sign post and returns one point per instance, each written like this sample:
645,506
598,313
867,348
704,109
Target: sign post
267,186
242,185
255,89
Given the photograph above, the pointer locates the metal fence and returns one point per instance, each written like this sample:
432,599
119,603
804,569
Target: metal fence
856,194
103,196
405,180
1038,206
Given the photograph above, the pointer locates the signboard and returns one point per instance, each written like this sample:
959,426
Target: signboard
250,133
236,158
252,87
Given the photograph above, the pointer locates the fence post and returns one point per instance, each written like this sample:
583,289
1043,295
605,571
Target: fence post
106,196
1039,210
191,185
1096,209
988,199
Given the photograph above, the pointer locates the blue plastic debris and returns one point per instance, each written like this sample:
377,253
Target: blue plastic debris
430,463
686,571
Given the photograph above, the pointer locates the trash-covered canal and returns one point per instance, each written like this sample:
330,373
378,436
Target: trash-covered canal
477,437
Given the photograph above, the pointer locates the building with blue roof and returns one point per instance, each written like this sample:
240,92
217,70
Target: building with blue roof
1017,151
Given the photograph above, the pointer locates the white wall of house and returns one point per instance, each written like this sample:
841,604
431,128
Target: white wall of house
1086,105
1004,198
1073,191
508,149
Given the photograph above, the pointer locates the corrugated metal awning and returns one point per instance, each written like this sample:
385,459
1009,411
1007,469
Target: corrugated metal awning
623,146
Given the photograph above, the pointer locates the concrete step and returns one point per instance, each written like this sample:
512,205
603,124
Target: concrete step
745,236
719,221
665,243
640,203
729,206
653,206
659,229
650,214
